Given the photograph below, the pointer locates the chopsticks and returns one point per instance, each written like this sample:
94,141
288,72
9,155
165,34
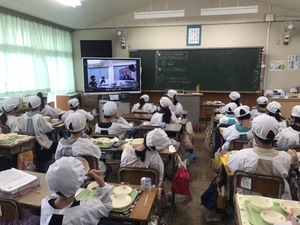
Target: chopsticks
146,200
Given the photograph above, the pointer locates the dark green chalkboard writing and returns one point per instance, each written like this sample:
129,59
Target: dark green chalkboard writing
223,69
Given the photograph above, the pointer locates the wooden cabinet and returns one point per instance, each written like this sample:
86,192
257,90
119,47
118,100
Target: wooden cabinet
62,100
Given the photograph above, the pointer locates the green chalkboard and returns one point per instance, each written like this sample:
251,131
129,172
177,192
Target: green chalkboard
223,69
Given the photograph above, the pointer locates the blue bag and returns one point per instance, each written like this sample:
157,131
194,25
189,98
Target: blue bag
210,196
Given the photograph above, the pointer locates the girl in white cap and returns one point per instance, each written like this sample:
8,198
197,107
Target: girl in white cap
274,110
261,107
33,122
146,154
46,110
291,135
176,107
64,178
164,114
229,117
234,97
75,107
9,107
112,123
144,106
75,145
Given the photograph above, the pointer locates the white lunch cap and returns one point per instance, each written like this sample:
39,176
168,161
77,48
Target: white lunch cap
165,102
34,102
75,122
65,175
110,108
265,127
171,93
8,104
274,107
242,110
230,107
157,138
145,97
234,95
262,100
44,94
296,111
73,102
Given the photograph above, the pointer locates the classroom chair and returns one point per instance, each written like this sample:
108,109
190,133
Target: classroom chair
11,210
133,175
4,129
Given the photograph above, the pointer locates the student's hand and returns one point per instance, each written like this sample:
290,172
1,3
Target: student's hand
98,176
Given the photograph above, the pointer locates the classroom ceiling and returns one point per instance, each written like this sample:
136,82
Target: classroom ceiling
102,10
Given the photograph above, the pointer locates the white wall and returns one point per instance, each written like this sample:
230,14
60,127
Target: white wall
241,31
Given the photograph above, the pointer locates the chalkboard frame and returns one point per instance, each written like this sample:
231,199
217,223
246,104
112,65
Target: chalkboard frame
152,66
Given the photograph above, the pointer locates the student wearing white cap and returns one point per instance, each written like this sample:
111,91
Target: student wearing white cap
176,107
33,122
75,145
261,107
75,107
229,118
144,106
291,135
263,159
147,155
112,123
164,113
46,110
64,178
9,107
274,110
241,130
234,97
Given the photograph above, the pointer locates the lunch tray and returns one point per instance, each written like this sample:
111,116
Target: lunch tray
11,140
133,195
100,145
255,218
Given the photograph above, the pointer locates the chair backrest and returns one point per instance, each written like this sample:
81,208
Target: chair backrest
295,147
92,161
133,175
4,129
238,144
11,210
105,136
270,186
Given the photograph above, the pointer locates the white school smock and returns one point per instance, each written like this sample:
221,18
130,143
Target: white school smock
247,160
147,108
13,123
87,115
88,212
49,111
40,127
158,117
78,147
176,109
287,138
152,160
119,128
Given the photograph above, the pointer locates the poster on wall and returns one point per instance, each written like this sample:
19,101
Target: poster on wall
294,62
193,35
277,65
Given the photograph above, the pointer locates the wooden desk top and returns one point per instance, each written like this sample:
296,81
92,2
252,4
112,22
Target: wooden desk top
140,212
137,116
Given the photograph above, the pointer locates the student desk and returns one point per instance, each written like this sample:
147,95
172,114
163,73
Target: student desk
140,213
137,116
170,129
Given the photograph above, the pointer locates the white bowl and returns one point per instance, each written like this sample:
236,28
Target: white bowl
93,185
84,163
120,201
104,142
260,203
137,141
4,137
123,189
12,135
272,217
47,118
288,205
55,120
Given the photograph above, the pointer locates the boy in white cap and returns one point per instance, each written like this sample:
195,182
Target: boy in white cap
261,107
75,107
147,155
274,110
263,159
144,106
291,135
108,125
176,107
75,145
229,118
46,110
9,107
64,178
240,130
33,122
164,114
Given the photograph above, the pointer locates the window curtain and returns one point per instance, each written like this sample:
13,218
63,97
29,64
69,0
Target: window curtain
34,57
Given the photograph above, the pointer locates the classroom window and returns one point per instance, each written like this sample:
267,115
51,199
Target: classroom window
34,57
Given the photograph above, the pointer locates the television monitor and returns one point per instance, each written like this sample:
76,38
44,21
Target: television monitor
103,75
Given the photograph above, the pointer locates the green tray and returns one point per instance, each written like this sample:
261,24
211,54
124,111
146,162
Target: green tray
10,140
132,194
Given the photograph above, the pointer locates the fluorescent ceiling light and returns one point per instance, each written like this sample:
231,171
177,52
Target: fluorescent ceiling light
229,10
73,3
159,14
